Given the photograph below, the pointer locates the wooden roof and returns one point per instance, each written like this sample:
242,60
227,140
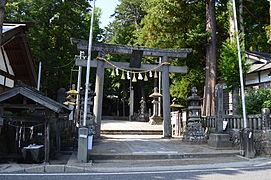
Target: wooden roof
260,61
18,51
35,96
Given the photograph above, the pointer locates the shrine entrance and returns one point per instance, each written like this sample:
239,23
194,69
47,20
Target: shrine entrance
131,69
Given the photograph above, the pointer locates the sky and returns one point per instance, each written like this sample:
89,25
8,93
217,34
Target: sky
108,8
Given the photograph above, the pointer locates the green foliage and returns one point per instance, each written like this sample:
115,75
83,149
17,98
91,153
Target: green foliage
228,64
256,99
182,84
257,19
267,104
177,24
128,15
56,21
168,24
150,23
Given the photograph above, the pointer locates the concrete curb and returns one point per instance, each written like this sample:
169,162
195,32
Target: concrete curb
47,169
87,168
176,168
77,169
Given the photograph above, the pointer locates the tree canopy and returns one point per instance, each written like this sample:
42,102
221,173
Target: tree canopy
150,23
56,21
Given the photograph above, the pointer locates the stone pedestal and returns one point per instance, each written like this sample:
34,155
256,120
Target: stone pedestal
194,132
220,141
82,153
247,144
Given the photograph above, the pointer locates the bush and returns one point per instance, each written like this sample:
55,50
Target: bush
256,99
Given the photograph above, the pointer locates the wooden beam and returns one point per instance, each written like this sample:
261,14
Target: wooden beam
24,119
6,74
82,45
22,106
41,101
46,142
125,65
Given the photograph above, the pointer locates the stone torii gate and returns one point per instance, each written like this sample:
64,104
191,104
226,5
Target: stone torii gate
82,45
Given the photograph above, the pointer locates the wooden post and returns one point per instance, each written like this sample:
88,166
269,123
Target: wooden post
166,100
46,140
98,99
131,102
58,139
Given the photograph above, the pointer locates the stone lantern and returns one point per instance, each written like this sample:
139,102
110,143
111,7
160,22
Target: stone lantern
194,131
155,118
176,107
143,117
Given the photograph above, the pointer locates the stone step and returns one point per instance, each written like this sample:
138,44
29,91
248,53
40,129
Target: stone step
159,156
132,132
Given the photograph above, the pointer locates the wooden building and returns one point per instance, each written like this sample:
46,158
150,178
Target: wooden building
260,71
16,62
26,116
259,75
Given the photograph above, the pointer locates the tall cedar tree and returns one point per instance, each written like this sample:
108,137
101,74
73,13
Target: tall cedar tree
210,70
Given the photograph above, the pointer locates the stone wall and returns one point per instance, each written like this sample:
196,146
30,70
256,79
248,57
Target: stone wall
261,138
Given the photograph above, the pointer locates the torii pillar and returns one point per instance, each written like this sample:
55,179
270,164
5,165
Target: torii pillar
98,104
167,131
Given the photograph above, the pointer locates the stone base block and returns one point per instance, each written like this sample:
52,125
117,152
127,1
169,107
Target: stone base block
54,168
35,169
74,169
155,120
220,141
266,142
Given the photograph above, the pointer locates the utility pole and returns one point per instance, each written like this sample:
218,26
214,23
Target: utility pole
159,88
240,66
247,134
79,77
84,140
88,66
39,76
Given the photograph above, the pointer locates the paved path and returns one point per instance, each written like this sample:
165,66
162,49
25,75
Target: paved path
150,145
146,146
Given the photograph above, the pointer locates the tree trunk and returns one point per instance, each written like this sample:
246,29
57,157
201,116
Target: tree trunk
231,19
241,23
235,100
210,71
241,20
2,8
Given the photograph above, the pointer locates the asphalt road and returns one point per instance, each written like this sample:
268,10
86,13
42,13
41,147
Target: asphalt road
257,173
